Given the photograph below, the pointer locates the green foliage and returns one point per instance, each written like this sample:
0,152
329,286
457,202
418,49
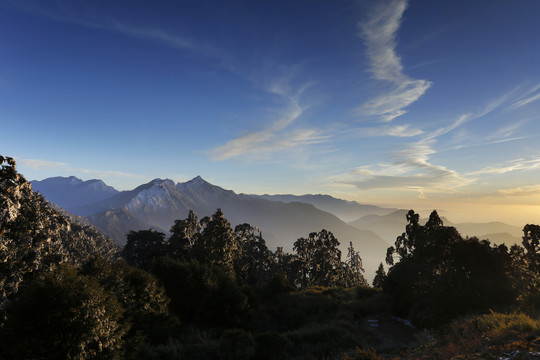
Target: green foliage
237,344
34,237
217,244
143,246
380,276
184,235
353,270
202,293
317,262
64,315
194,346
441,275
480,332
360,354
143,299
255,264
278,285
321,340
271,346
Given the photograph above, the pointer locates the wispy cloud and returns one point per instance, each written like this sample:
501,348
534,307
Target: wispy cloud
531,96
451,127
41,164
379,32
509,166
397,131
87,15
506,131
411,170
521,191
276,137
109,173
487,109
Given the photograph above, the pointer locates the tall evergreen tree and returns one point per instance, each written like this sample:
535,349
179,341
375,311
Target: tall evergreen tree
354,272
380,276
217,244
184,235
143,246
255,264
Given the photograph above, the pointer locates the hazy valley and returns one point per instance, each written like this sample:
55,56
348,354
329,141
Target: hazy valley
281,218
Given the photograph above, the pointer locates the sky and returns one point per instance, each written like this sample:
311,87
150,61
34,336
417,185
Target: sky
412,104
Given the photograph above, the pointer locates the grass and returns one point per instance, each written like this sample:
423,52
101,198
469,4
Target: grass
488,336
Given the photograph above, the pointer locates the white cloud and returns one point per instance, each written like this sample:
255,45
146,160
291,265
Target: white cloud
87,15
109,173
530,190
411,170
379,32
276,137
389,106
506,131
397,131
41,164
527,98
509,166
454,125
487,109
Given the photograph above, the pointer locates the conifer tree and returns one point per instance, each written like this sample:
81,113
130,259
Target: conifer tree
184,235
380,276
217,243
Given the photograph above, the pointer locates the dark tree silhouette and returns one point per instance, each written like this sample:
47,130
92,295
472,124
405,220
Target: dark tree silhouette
441,275
217,244
318,262
255,265
184,235
353,270
143,246
64,315
380,276
531,243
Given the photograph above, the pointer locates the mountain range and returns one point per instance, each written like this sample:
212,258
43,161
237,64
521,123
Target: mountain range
391,225
281,218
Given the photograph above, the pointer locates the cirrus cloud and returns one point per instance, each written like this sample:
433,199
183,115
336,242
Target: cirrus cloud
379,32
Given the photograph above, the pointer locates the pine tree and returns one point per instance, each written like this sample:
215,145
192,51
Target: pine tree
380,276
354,272
184,235
217,244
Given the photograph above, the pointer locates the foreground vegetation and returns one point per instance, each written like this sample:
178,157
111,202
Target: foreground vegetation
212,292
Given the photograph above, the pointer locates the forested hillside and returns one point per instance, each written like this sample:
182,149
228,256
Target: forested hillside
207,290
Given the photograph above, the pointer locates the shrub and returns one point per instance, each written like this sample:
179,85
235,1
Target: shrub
271,346
64,315
369,354
474,333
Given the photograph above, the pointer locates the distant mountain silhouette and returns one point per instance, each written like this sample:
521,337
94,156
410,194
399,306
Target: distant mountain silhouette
70,192
117,223
343,209
159,202
390,226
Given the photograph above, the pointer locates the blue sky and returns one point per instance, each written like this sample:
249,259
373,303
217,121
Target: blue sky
414,104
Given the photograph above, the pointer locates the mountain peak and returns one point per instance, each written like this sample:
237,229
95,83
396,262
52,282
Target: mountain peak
198,179
72,192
